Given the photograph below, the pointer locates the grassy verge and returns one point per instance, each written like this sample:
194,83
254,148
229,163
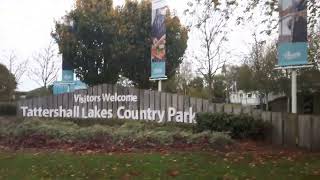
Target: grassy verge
184,166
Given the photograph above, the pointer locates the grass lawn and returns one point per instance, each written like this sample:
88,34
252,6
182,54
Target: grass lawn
195,165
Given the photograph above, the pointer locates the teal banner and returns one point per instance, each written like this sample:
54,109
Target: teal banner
291,54
158,33
67,75
158,70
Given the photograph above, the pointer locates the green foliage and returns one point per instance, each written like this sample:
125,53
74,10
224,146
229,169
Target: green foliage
8,109
7,84
238,126
103,42
133,131
219,87
244,80
214,138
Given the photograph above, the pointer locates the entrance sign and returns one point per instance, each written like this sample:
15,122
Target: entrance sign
115,102
158,33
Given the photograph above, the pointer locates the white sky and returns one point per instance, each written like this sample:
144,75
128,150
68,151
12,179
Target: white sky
26,26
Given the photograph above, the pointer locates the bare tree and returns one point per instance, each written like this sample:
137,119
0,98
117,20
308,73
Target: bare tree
46,66
18,69
184,76
210,23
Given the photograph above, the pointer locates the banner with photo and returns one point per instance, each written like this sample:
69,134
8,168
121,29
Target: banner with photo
158,33
293,36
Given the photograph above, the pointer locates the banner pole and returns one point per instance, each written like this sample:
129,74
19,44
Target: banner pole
294,91
159,85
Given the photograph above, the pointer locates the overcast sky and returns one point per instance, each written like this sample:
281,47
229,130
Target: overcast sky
26,26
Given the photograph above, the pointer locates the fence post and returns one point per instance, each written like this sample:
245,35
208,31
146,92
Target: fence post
304,129
315,133
290,124
228,108
277,128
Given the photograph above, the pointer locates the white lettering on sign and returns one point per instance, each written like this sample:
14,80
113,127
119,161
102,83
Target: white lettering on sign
121,113
292,55
82,98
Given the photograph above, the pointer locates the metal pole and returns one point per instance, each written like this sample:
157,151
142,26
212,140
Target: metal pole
159,86
294,91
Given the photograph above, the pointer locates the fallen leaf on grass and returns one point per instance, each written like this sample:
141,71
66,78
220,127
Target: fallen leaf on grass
134,173
173,173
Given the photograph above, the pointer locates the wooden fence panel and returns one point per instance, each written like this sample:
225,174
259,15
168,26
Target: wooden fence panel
266,116
199,105
50,102
104,91
186,108
277,128
205,106
99,93
19,105
316,133
219,108
83,106
247,110
141,102
65,101
90,93
146,98
228,108
180,107
256,114
290,129
174,104
111,92
163,97
236,109
168,105
157,102
36,102
44,102
304,129
211,108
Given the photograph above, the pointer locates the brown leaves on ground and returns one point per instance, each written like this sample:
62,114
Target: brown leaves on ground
173,173
260,152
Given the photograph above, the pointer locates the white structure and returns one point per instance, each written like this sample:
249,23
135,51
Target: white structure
246,99
251,98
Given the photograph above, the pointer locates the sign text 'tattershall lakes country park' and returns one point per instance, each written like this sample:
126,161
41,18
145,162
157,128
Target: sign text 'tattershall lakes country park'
121,112
110,102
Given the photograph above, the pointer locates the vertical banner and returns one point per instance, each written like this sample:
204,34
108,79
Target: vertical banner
67,71
158,33
293,47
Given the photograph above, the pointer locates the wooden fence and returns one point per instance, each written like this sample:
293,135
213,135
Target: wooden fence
288,129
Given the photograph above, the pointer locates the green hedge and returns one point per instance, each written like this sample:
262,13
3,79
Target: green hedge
133,131
238,126
8,109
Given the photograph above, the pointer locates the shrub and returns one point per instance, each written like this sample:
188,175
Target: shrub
8,109
162,137
132,131
94,131
238,126
213,138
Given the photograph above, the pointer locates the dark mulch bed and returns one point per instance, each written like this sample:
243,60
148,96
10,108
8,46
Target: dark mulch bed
102,144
